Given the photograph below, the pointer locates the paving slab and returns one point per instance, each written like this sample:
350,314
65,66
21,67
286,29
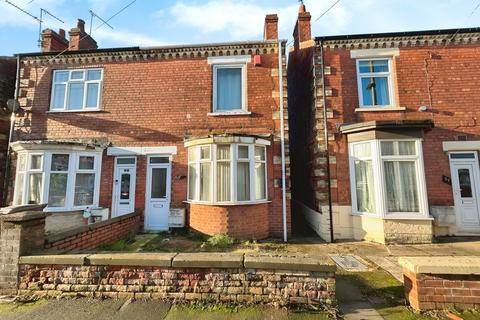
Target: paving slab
74,259
389,264
208,260
132,259
353,304
289,262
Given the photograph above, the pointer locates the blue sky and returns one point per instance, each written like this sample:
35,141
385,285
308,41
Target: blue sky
163,22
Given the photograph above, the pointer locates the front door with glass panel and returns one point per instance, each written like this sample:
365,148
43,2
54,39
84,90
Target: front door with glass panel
466,188
158,193
124,186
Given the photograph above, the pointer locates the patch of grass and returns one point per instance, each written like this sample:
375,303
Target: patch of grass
20,307
473,314
219,241
120,244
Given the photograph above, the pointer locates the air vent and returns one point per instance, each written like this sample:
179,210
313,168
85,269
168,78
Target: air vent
462,137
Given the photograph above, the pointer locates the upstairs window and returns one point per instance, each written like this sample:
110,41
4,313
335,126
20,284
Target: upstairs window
229,91
76,90
375,82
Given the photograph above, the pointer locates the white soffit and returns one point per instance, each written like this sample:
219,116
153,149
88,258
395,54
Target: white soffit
229,59
136,151
374,53
461,145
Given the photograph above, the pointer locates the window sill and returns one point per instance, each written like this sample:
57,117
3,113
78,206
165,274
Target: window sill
74,111
228,204
379,109
232,113
395,216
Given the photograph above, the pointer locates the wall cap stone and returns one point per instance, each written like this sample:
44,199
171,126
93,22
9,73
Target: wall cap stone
289,262
23,216
132,259
73,259
442,265
208,260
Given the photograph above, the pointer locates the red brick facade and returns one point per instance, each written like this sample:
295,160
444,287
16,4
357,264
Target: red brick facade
159,97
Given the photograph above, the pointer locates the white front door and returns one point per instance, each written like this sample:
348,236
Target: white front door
124,186
158,193
466,190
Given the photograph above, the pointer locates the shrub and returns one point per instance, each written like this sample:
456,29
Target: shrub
220,241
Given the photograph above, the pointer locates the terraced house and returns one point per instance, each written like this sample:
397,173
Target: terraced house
159,130
384,133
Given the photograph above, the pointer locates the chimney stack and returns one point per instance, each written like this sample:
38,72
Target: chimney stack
52,41
79,39
271,27
303,29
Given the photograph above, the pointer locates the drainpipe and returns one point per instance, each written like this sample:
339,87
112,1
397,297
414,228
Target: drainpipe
282,142
10,136
327,149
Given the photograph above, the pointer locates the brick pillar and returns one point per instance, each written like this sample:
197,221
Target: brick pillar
20,233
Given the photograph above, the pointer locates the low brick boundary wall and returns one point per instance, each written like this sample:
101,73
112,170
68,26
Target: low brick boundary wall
442,282
212,277
91,236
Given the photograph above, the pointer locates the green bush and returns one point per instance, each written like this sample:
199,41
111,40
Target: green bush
220,241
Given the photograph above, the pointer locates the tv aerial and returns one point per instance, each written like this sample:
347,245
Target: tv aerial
94,15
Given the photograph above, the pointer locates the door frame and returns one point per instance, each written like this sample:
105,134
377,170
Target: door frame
115,187
476,182
148,179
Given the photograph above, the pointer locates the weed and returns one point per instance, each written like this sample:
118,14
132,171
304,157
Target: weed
219,241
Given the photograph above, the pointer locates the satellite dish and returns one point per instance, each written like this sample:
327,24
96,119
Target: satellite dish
13,105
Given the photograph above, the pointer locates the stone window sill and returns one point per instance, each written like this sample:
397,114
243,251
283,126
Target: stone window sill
379,109
223,114
227,204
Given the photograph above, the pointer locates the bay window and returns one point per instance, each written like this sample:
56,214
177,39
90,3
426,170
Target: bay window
63,180
227,173
387,178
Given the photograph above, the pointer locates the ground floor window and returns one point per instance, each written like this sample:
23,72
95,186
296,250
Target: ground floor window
63,180
387,178
227,173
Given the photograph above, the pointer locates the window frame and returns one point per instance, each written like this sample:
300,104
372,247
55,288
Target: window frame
244,107
233,174
71,177
85,91
390,82
378,169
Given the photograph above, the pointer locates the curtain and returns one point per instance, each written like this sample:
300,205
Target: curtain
75,96
243,181
35,187
92,95
364,186
401,186
192,180
260,193
19,189
223,173
229,88
205,181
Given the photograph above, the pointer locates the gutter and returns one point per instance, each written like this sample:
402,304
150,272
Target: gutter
10,136
282,142
327,149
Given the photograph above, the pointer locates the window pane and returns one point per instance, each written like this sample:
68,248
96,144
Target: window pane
60,162
76,75
401,186
398,148
406,148
86,163
462,155
465,183
36,162
125,186
94,74
364,186
243,181
260,190
58,96
35,188
388,148
223,152
362,150
259,154
223,181
92,95
205,181
57,190
19,189
125,160
75,96
61,76
243,152
84,188
373,66
157,160
159,183
21,162
192,154
192,179
375,91
205,152
229,89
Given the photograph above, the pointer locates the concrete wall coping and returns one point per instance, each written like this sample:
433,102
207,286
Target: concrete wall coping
72,232
23,216
467,265
192,260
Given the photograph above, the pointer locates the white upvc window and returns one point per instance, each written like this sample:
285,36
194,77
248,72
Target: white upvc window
375,82
227,173
64,180
387,178
76,90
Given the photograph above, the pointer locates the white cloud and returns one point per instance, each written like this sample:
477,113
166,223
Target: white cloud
126,38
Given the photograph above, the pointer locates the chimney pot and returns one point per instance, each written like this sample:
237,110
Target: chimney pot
79,40
61,33
303,28
81,25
